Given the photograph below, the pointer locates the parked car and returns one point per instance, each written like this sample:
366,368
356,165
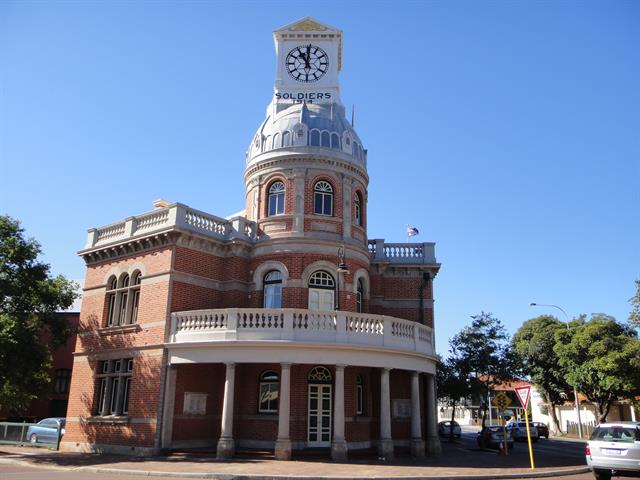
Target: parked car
444,428
46,430
614,447
519,431
543,429
493,436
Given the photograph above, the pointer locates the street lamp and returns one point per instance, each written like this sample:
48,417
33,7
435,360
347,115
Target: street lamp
342,268
575,390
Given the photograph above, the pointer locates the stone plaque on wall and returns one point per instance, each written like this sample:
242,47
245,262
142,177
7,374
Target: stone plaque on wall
401,408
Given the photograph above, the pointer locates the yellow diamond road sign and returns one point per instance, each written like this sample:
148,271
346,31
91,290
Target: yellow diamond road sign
501,401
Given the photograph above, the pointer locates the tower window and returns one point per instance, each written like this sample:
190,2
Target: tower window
314,138
360,296
357,201
272,290
326,140
276,199
323,198
123,299
286,139
335,140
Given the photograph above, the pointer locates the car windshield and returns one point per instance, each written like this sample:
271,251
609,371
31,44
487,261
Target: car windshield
616,433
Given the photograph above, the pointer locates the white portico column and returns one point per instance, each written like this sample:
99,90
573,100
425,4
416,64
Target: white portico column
226,446
385,446
417,443
283,442
338,443
433,441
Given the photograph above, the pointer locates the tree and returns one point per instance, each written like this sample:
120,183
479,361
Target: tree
483,350
29,326
602,360
533,344
453,385
634,316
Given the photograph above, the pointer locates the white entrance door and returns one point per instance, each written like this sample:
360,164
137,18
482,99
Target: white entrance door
319,424
321,299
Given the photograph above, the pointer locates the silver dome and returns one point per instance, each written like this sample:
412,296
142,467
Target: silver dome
321,126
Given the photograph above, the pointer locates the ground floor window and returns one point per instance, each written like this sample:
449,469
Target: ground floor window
114,386
269,388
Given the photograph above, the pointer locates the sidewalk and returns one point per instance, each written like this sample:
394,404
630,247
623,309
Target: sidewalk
455,462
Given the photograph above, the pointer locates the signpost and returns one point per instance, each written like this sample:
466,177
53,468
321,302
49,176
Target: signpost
502,402
524,394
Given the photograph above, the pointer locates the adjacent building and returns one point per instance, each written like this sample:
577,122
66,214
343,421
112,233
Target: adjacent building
285,327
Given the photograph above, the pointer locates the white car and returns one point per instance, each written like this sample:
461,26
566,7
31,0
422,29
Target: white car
614,447
445,429
519,431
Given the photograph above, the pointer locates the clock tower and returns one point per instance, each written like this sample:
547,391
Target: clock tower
308,60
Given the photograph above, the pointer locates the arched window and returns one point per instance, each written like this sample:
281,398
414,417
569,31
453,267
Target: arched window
272,290
360,296
357,202
276,141
335,140
359,395
111,299
269,387
276,199
314,138
286,139
321,291
323,198
319,375
326,139
135,297
123,298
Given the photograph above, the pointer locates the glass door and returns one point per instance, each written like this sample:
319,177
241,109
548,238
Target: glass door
319,421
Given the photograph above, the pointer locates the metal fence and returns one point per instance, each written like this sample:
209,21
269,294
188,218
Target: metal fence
29,434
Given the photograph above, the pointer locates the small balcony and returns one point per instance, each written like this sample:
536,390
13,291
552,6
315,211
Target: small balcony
339,328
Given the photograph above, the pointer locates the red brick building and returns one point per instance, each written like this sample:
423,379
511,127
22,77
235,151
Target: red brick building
285,327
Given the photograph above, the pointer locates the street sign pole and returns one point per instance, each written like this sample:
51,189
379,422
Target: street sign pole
523,394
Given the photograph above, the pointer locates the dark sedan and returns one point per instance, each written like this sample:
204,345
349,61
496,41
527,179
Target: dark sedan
543,429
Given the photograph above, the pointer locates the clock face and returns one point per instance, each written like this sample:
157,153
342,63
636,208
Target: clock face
307,63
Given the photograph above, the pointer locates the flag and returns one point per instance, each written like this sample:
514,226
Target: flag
412,231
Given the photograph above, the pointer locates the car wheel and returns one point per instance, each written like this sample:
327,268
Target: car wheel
602,474
33,438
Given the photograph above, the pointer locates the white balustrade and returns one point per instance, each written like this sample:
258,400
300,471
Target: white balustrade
337,327
175,215
402,252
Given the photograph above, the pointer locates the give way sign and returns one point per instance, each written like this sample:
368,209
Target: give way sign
524,393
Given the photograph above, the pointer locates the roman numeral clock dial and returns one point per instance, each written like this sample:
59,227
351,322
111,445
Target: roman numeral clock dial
307,63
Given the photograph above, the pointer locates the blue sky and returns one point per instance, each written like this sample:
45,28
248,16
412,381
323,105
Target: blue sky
507,132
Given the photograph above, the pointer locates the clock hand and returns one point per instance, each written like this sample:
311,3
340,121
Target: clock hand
308,57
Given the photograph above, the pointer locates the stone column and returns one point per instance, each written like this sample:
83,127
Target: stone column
169,406
226,446
385,445
338,443
433,441
417,443
283,442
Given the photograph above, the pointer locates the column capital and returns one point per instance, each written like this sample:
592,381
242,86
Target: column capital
230,364
285,365
340,366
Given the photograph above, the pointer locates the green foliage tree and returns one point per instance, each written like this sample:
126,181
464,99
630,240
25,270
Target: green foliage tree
533,344
634,316
483,350
453,385
602,360
29,326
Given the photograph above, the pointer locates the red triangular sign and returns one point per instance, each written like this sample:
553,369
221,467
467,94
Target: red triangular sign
523,395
